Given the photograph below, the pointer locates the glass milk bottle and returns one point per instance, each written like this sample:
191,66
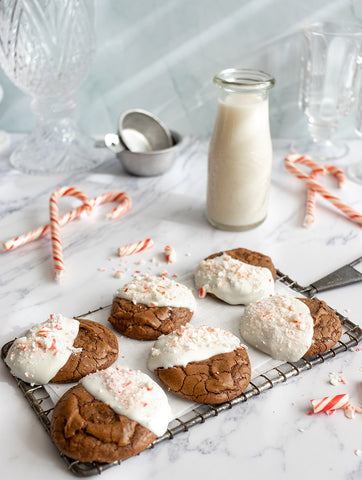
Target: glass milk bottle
240,153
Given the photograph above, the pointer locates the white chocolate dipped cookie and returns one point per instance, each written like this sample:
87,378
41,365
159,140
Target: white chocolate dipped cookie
61,350
112,415
202,364
237,277
150,306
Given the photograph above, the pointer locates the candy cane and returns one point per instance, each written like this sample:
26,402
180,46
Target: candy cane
310,205
337,172
57,249
316,187
132,248
330,403
311,201
121,197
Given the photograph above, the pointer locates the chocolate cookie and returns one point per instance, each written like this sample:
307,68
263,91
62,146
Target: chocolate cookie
215,380
327,329
95,348
237,276
149,306
202,364
89,430
141,322
61,350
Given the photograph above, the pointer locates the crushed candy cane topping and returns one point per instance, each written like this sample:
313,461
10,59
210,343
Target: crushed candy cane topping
170,254
334,378
233,281
190,344
350,411
39,355
157,292
131,393
280,326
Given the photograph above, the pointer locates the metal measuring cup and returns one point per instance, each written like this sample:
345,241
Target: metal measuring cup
144,145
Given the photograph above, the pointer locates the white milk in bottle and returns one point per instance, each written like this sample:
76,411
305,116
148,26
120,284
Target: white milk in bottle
240,153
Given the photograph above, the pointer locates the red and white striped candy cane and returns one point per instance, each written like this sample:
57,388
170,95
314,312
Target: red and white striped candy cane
121,197
289,163
132,248
311,200
330,403
337,172
310,205
57,249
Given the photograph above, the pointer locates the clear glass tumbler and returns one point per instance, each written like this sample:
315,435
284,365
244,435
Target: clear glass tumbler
332,55
240,153
46,49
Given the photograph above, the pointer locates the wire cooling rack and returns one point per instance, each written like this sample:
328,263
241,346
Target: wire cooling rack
41,403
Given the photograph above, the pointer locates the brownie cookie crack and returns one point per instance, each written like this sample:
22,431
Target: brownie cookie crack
141,322
98,349
327,328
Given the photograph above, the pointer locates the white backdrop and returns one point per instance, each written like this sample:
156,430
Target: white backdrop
161,55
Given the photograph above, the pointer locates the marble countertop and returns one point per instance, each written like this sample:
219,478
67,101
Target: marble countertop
269,436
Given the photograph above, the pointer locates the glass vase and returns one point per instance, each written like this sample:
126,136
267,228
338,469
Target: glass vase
47,49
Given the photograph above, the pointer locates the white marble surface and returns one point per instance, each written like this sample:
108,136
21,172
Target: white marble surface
270,436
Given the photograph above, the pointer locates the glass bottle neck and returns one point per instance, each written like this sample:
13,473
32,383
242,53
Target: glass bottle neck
245,85
238,95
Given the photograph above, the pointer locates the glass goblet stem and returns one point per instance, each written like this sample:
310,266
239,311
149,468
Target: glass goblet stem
52,108
322,131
